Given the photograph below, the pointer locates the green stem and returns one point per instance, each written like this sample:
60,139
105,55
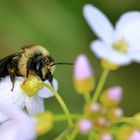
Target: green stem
63,135
63,117
87,98
62,104
100,84
73,134
92,135
128,120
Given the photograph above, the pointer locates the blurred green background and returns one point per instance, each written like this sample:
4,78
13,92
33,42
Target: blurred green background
60,27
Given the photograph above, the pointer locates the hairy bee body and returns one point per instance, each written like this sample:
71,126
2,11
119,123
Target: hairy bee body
33,59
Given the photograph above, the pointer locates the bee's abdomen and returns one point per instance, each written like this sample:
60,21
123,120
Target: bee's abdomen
8,62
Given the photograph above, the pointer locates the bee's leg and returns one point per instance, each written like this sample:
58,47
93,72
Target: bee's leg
12,77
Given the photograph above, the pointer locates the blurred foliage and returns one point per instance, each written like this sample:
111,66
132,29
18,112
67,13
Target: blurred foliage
60,27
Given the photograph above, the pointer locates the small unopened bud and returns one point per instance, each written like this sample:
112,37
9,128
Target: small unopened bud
115,113
115,94
106,137
31,86
118,112
94,107
85,126
83,75
111,97
101,122
135,135
44,122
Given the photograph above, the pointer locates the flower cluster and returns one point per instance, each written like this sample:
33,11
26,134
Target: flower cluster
103,115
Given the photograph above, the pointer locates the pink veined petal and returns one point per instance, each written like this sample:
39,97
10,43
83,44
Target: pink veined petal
128,29
103,51
34,104
45,92
99,23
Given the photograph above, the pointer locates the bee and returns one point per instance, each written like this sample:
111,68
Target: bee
32,59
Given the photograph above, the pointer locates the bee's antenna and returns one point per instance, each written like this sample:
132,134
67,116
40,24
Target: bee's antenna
62,63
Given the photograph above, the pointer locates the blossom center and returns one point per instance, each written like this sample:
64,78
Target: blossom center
121,46
31,86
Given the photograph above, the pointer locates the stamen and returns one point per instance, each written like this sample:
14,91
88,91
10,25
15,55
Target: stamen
121,46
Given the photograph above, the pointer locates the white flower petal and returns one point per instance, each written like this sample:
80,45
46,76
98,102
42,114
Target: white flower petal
103,51
135,55
18,126
128,28
45,92
99,23
13,98
3,117
34,104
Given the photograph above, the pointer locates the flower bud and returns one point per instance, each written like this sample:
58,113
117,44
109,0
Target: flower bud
31,85
135,135
44,122
83,75
85,126
111,97
94,107
115,113
101,122
106,137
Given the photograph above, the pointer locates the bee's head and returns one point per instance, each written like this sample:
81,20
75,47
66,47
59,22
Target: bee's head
49,61
46,69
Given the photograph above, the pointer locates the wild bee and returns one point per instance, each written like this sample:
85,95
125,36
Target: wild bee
32,59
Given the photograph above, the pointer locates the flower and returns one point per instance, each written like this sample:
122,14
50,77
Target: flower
83,75
119,45
18,125
19,97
